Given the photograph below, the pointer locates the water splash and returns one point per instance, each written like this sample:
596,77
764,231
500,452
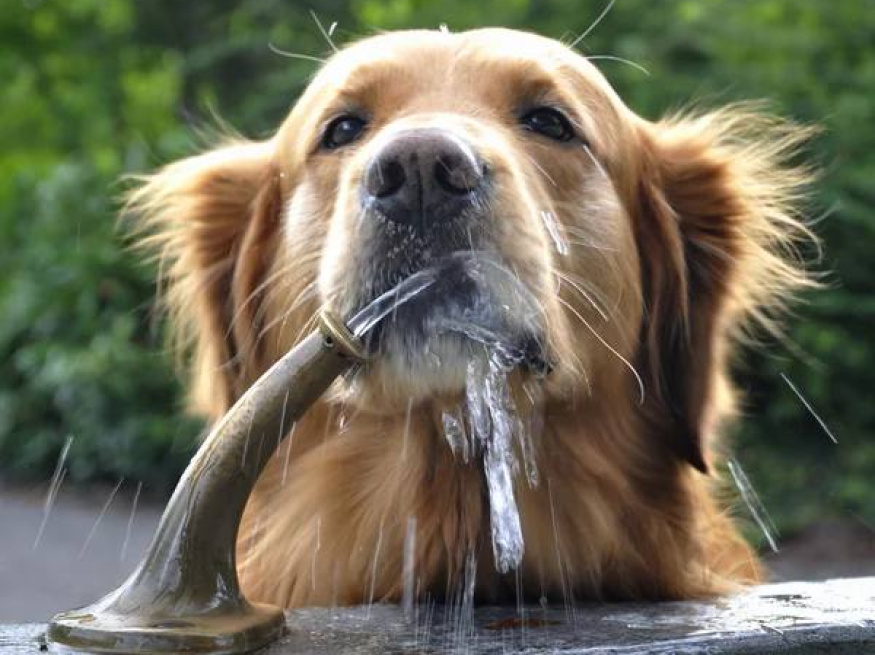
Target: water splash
365,319
374,571
455,434
754,504
99,518
290,441
316,551
494,424
130,522
461,608
552,226
408,593
567,597
498,288
810,409
491,324
407,418
52,493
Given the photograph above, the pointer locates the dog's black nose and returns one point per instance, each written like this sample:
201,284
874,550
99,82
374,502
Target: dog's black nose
424,177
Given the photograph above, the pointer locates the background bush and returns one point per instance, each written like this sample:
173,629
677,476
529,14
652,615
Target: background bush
95,89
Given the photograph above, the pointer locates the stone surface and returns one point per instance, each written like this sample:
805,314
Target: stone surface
837,616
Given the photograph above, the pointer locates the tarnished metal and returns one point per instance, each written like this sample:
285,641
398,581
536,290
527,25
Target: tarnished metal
184,597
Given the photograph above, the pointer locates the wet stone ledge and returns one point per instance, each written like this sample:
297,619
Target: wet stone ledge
837,616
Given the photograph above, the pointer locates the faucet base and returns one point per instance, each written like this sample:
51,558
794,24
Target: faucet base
240,630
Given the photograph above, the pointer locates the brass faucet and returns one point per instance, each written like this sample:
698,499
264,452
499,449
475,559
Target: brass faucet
185,596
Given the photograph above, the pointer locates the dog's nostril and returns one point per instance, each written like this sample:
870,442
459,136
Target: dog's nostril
423,177
456,175
385,178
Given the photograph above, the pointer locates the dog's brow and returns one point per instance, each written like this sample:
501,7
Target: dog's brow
360,79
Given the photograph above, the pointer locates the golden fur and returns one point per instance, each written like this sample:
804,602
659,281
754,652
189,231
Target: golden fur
681,233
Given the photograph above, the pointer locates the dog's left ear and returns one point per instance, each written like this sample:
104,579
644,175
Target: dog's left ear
717,229
211,221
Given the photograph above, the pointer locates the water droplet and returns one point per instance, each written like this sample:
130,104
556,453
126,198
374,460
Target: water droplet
754,504
552,226
409,571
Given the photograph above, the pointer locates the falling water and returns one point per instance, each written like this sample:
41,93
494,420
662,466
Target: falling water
754,504
409,568
374,571
498,432
382,306
52,494
552,226
290,438
99,518
130,521
499,462
454,432
494,428
810,409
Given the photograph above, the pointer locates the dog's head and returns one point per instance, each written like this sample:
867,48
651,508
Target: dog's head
619,253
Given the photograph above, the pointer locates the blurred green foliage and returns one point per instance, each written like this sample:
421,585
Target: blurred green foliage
96,89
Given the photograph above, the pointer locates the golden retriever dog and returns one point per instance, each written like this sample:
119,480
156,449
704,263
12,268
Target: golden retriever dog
636,254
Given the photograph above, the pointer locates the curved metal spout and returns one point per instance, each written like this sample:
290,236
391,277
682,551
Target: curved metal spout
184,596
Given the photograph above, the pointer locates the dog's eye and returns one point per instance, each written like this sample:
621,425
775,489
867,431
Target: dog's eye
550,122
342,131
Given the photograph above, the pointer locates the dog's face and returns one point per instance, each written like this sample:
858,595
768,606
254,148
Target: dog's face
621,254
490,154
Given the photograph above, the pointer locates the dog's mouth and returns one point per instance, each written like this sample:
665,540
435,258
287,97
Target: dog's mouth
464,305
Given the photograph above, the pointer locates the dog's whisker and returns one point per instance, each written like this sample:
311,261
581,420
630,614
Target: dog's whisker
597,163
621,60
592,289
283,272
541,170
639,381
574,285
593,25
305,295
295,55
325,34
577,241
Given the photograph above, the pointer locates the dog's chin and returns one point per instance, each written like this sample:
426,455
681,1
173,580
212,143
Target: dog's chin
425,349
431,365
474,309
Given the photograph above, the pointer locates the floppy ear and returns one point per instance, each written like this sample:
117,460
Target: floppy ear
717,233
209,219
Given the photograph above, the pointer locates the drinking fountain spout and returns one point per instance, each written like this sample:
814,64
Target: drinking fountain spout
184,597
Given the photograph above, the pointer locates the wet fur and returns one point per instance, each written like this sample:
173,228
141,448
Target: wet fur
681,230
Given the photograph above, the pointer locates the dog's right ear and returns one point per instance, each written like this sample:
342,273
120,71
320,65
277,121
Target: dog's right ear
720,217
208,220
